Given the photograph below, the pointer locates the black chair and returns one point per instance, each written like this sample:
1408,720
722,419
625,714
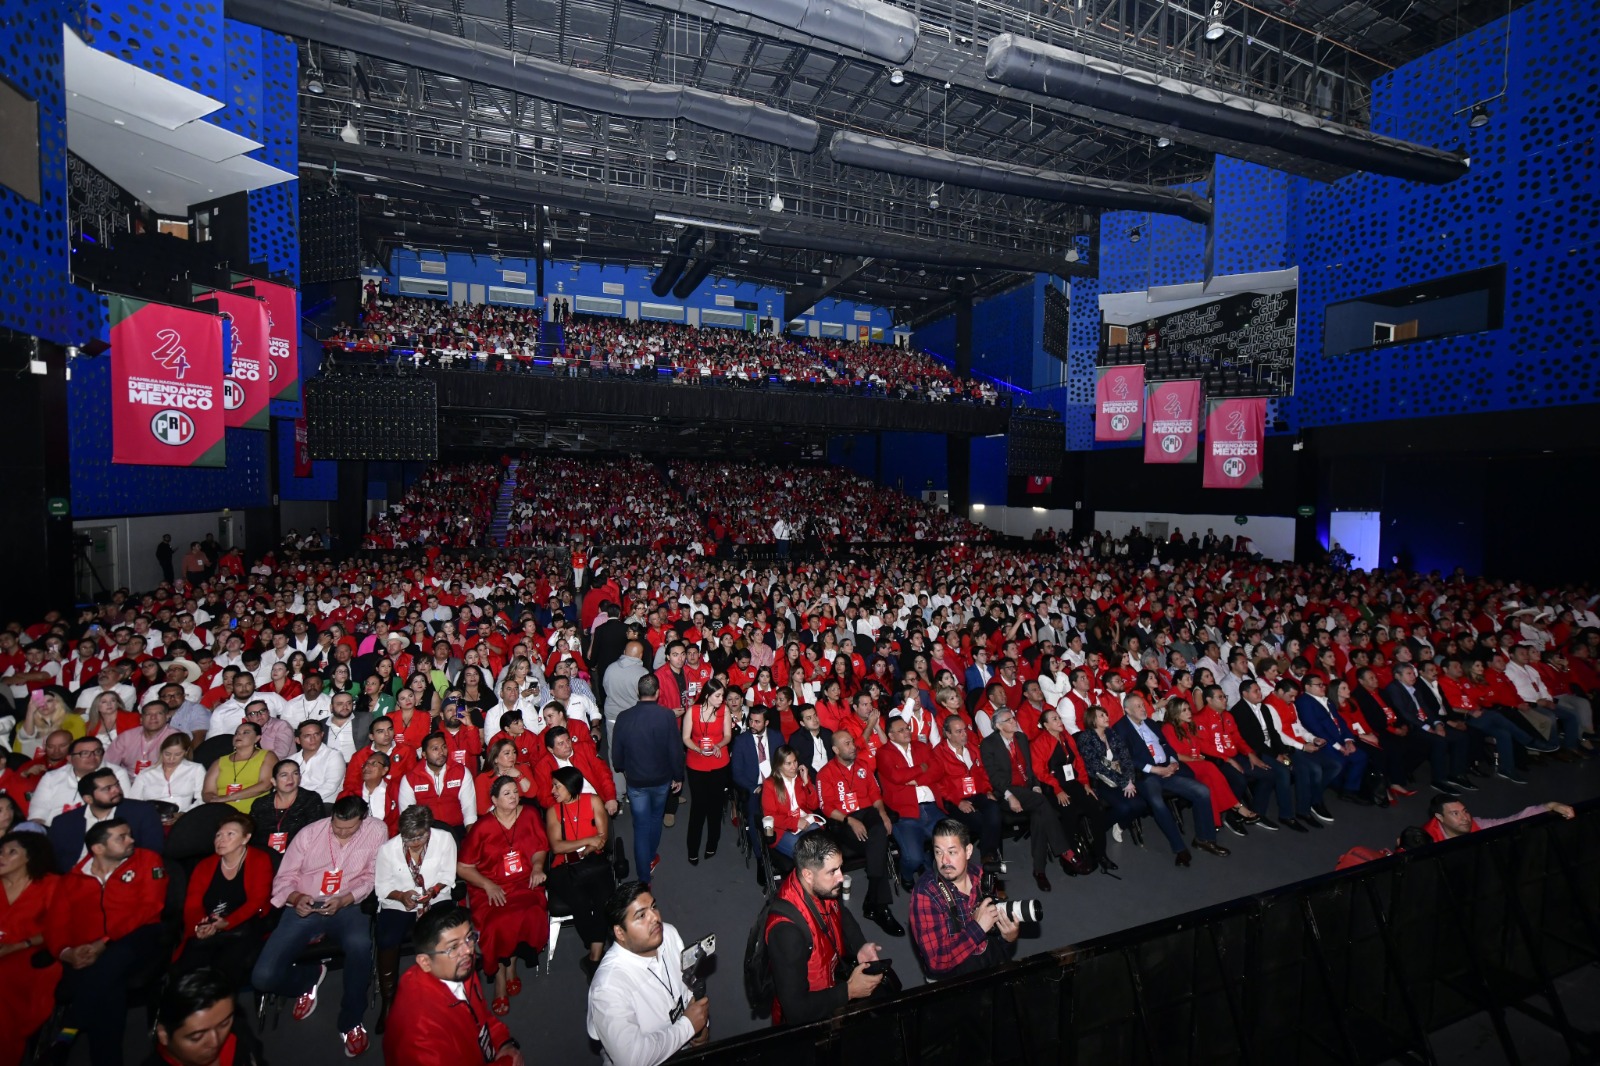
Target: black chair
213,748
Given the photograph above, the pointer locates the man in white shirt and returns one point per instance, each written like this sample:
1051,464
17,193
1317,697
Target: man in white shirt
311,705
110,680
227,715
321,768
579,708
1539,703
640,1010
58,789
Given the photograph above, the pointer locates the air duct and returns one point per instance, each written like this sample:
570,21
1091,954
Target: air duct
881,30
902,249
675,262
696,274
915,161
1022,63
489,64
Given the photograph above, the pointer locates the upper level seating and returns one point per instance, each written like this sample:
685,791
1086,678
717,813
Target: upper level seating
449,505
605,501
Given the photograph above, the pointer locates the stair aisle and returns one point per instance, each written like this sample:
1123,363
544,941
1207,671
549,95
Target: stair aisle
502,508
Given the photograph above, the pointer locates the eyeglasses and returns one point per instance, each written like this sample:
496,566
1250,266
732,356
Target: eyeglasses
469,942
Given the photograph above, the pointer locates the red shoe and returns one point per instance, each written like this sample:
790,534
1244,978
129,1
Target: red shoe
501,1006
355,1041
307,1003
1401,790
513,985
654,863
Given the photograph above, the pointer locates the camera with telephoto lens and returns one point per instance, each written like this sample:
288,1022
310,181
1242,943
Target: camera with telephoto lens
1021,910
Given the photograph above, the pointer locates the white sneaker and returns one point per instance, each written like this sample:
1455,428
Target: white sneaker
1116,833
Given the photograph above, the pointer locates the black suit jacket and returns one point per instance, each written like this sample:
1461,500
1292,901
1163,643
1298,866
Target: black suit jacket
1266,745
997,762
67,830
1140,752
1401,702
805,746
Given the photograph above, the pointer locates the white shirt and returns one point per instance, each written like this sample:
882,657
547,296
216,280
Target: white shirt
58,793
341,738
182,788
393,875
764,754
582,707
632,1000
227,715
323,773
1530,686
124,693
300,709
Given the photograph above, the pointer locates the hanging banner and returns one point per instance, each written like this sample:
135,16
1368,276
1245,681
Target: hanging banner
244,388
283,324
1039,484
1236,439
1119,402
1172,410
166,385
302,449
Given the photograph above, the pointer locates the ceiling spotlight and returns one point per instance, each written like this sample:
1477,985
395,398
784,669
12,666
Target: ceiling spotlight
1072,255
1164,142
1480,117
672,154
476,201
933,201
896,76
1214,28
350,135
1134,236
314,82
775,205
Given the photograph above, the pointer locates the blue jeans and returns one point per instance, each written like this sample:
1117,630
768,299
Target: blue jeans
277,973
913,834
646,807
1154,790
1309,779
1340,771
1506,736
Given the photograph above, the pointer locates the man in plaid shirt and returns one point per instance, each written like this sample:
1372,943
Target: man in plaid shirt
953,930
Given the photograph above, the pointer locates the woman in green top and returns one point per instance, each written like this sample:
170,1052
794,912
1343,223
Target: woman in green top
240,776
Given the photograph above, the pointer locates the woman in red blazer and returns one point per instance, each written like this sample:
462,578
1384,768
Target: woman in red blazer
225,908
789,800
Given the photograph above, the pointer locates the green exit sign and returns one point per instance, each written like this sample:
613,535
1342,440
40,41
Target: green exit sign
1305,510
57,506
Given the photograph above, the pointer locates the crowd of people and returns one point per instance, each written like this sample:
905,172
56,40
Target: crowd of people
602,501
449,506
426,750
490,336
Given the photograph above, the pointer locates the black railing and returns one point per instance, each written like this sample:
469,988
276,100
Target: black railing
1354,967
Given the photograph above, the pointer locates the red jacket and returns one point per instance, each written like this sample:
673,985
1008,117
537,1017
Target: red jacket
1044,748
587,763
785,819
899,779
670,696
84,910
1113,706
1219,735
429,1026
257,874
401,760
847,789
466,745
954,775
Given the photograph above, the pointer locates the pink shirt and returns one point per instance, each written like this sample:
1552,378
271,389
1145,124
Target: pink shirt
134,752
321,866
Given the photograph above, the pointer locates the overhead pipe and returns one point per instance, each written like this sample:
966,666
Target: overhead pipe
497,66
675,262
928,252
698,273
877,29
915,161
1023,63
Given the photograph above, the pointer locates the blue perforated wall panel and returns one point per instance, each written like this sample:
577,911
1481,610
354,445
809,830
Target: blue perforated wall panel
37,297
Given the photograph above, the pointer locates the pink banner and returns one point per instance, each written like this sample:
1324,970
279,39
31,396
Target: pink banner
166,385
1236,439
1172,415
302,449
283,344
1119,402
245,392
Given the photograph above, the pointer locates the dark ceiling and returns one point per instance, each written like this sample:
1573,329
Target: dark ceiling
443,161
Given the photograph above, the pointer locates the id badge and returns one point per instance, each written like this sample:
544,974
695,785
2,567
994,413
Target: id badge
234,789
331,880
278,842
968,787
849,803
140,767
512,863
459,757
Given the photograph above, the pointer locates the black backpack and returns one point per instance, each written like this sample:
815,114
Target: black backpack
759,988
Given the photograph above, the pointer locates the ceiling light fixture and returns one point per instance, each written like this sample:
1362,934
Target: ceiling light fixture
896,76
350,135
1134,236
1164,142
1214,28
1072,255
1480,117
672,154
775,205
933,201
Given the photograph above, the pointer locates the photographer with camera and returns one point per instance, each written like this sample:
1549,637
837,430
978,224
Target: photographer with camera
957,927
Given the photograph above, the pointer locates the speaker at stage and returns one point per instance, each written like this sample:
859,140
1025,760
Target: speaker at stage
374,419
330,242
1035,443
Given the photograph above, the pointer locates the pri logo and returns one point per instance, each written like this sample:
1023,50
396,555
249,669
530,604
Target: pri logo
1172,444
1173,406
232,394
170,352
172,427
1235,425
1233,467
1119,423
